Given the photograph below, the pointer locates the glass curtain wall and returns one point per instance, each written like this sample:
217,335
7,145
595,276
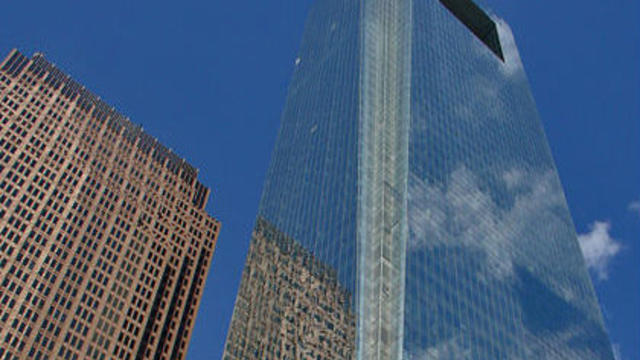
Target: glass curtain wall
412,208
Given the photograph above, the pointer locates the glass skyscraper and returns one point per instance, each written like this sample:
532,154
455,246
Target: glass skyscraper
412,209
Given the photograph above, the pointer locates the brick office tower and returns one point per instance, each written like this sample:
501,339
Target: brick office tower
104,241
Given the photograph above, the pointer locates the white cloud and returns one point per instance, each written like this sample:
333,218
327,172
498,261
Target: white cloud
464,214
635,207
488,90
617,354
525,231
512,61
513,178
599,248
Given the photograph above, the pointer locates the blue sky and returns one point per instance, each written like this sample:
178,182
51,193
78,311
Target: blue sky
209,80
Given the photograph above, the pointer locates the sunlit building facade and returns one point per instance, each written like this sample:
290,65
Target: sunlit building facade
411,161
105,243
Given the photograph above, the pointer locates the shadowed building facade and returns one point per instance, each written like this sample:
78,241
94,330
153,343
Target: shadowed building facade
104,241
411,161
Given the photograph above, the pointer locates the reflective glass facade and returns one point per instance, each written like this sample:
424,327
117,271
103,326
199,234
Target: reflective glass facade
412,163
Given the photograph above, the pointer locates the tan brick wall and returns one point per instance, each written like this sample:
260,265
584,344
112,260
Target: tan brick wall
104,241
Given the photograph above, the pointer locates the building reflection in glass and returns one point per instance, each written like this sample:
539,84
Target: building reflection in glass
289,305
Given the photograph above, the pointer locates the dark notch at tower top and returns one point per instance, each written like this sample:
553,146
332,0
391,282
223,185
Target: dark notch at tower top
478,22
